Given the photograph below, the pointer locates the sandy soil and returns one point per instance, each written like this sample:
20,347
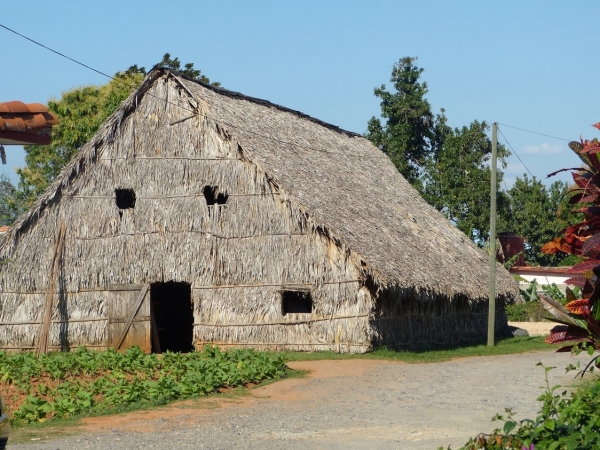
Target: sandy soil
535,328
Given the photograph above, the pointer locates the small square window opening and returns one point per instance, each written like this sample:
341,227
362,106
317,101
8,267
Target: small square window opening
125,198
296,302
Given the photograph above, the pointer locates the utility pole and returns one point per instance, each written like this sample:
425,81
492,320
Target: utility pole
492,303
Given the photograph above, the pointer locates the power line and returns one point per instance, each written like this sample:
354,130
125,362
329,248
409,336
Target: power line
534,132
196,113
91,68
54,51
516,154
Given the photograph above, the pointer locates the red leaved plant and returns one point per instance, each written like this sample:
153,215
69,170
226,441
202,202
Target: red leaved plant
579,328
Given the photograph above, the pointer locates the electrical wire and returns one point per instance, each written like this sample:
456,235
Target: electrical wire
123,82
196,113
54,51
516,154
535,132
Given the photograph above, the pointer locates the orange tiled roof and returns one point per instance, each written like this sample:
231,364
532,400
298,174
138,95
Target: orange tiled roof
546,270
3,230
22,124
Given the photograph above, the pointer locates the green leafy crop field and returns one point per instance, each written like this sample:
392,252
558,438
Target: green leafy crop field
38,388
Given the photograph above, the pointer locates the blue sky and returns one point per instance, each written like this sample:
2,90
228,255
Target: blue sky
529,64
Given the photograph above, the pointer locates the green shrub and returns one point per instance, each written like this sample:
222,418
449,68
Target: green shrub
526,312
532,310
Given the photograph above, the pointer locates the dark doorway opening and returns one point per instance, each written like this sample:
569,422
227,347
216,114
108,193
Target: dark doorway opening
171,317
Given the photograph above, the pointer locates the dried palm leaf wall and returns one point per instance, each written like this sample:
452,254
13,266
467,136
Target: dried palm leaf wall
238,257
406,318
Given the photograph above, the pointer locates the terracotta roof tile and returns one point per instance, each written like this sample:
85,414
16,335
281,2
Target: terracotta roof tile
538,269
22,124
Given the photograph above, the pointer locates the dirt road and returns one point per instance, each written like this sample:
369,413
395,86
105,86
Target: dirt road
351,404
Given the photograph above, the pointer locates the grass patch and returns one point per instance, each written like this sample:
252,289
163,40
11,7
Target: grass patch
504,346
44,431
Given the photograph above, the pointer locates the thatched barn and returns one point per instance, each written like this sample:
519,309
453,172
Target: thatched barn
199,216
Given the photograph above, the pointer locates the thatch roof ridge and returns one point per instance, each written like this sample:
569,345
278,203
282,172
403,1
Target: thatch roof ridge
259,101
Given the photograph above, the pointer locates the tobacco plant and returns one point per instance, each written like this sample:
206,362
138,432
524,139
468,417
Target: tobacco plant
37,388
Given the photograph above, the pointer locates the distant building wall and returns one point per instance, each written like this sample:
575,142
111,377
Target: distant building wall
543,275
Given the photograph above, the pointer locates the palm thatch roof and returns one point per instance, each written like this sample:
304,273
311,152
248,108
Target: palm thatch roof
345,186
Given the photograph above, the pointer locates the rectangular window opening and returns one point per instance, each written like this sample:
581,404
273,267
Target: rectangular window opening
296,302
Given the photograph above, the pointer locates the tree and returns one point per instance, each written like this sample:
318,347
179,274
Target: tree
188,70
456,177
538,213
408,132
9,206
451,167
448,166
81,111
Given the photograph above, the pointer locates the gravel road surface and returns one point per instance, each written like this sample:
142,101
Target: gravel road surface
349,404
